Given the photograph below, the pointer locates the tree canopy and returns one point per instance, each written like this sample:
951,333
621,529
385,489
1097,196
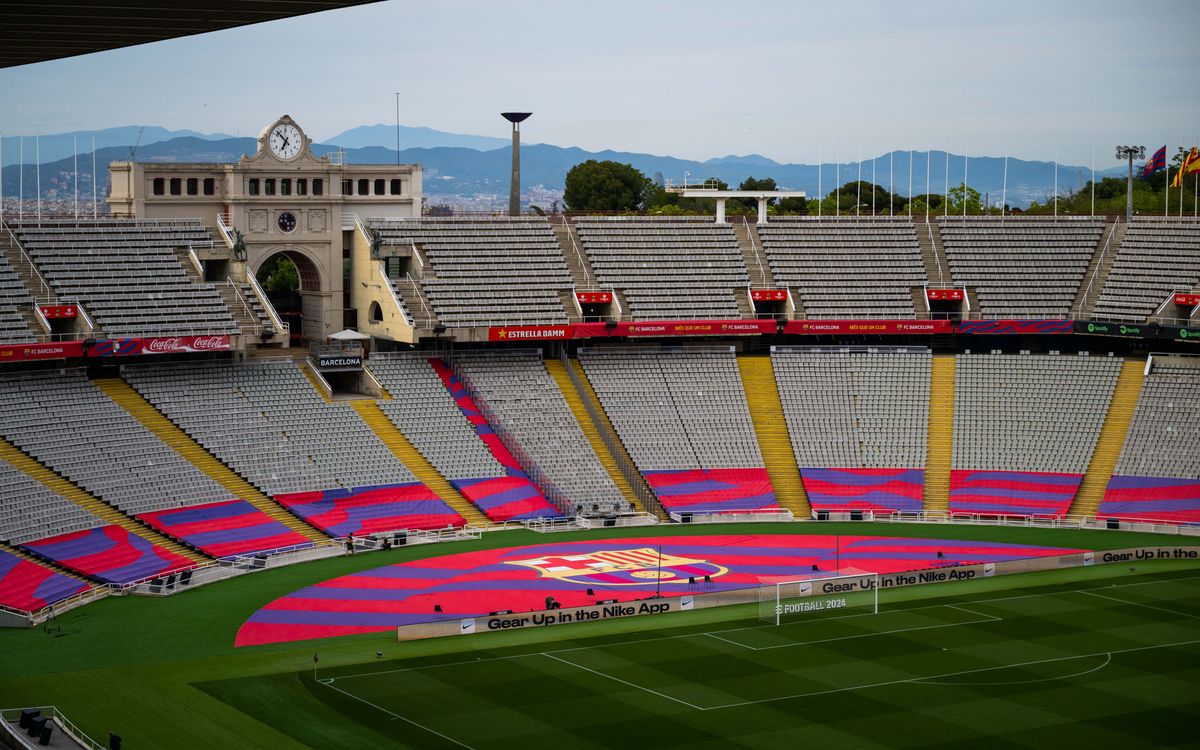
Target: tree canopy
606,186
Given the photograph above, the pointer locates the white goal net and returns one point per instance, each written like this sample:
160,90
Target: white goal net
811,598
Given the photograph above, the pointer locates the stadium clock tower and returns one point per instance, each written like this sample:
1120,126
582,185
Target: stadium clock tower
283,199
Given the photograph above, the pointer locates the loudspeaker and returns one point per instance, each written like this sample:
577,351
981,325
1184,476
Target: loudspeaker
610,521
27,716
36,725
856,515
685,517
822,515
44,738
1113,523
185,578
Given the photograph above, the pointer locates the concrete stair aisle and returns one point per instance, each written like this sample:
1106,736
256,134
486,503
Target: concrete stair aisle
415,302
250,323
1112,439
230,296
604,425
766,410
403,450
31,320
940,450
920,303
937,270
752,253
577,260
567,298
1097,273
558,371
744,303
125,396
87,501
43,294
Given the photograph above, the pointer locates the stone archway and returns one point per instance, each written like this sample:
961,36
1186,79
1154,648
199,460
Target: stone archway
302,305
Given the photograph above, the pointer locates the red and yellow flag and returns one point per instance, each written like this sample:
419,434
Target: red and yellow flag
1191,164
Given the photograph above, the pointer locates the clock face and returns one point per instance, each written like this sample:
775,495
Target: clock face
286,141
287,222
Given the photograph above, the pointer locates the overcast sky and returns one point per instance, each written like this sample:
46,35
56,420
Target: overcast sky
689,79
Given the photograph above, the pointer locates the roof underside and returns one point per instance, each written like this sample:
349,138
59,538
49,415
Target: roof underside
32,32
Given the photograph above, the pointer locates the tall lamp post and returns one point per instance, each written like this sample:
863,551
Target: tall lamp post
1130,153
514,190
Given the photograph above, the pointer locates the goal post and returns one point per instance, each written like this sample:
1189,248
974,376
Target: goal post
813,598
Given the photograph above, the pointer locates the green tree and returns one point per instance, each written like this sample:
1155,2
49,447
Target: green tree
972,197
606,186
279,275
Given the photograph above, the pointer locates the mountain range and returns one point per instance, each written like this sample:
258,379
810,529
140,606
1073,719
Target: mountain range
468,165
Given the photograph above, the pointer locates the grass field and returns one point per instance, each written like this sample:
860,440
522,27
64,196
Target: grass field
1103,655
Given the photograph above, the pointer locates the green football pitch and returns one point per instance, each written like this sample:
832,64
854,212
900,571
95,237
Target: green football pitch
1107,655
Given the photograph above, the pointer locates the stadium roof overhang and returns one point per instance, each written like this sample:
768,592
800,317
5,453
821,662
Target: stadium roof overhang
32,32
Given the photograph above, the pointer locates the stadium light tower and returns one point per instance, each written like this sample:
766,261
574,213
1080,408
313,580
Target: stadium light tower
514,190
1130,153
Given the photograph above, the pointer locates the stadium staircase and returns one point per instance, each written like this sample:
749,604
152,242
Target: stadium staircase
941,434
567,298
577,260
1112,438
237,306
416,303
766,410
179,441
313,380
1097,273
403,450
756,261
936,268
85,500
558,371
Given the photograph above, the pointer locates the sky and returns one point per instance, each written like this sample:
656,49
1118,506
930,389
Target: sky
694,79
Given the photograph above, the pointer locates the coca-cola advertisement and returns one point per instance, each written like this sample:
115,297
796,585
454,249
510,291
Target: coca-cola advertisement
162,345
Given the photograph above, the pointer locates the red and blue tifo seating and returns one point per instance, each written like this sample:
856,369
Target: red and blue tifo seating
1152,499
225,529
29,587
712,490
512,497
875,490
1012,493
110,554
372,510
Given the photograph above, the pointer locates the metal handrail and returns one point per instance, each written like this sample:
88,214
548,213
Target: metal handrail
762,274
46,289
387,283
421,298
936,259
282,328
1099,262
69,727
587,276
257,327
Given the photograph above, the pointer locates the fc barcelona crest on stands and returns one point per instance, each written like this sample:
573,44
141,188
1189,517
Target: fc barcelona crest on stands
628,567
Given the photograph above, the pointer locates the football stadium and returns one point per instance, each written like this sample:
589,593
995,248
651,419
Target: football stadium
756,470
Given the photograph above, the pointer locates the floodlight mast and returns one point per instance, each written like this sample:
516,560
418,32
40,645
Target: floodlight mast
1130,153
514,190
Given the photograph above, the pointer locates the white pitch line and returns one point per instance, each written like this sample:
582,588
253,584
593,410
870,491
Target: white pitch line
1141,604
397,716
989,618
623,682
1107,661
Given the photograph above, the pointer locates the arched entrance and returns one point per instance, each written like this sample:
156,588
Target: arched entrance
292,282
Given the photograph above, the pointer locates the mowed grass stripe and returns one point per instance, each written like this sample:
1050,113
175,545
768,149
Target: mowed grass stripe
1086,647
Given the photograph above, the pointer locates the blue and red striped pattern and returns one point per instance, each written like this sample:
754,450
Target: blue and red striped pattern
110,554
712,490
225,529
512,497
1012,493
472,584
880,490
1152,499
372,510
29,587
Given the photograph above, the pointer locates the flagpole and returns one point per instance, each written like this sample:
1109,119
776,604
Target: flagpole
837,180
946,197
37,156
21,181
891,177
858,183
820,194
1056,179
874,161
1004,184
1167,193
75,172
1,176
966,158
910,156
93,176
928,166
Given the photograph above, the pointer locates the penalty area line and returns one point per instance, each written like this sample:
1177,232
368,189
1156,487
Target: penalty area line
395,715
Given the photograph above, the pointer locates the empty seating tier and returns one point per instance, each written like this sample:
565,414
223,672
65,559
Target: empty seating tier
1158,474
683,418
847,268
485,272
518,391
1158,256
127,276
1020,268
110,554
13,295
28,586
30,510
1025,427
859,423
667,269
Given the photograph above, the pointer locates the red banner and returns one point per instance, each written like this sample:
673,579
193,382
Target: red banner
594,298
164,345
676,328
52,350
1187,300
952,295
871,327
529,333
53,312
768,295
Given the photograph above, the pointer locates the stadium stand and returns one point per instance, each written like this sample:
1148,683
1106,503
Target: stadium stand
317,459
1025,427
666,269
858,420
126,274
109,554
682,415
13,296
847,268
29,510
1158,256
1158,474
29,586
1018,267
484,272
518,391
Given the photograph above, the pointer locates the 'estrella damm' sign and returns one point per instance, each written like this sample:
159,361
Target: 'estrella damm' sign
627,567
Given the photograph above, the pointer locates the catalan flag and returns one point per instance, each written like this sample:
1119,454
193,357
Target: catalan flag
1156,162
1191,163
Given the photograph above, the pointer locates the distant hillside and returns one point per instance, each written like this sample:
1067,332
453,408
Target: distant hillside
61,145
466,171
384,136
